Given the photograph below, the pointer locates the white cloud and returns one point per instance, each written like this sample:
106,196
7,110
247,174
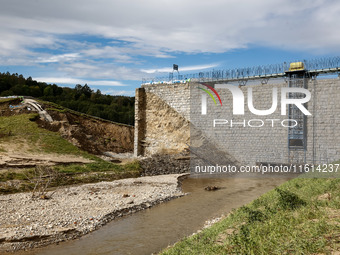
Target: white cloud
61,80
58,58
113,92
188,26
100,70
158,29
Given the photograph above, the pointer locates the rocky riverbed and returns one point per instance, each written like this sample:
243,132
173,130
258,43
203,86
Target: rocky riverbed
74,211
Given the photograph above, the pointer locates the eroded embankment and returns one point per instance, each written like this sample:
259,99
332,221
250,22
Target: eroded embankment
88,133
75,211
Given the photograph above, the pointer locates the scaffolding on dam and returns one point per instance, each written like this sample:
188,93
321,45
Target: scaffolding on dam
314,67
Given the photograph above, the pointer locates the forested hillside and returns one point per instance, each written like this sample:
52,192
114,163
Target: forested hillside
81,98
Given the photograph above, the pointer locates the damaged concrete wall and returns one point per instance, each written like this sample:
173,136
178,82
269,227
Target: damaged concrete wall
161,119
163,113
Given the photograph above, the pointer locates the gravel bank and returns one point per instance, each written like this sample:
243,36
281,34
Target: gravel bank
76,211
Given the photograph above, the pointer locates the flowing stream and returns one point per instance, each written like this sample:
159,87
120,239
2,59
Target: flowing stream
152,230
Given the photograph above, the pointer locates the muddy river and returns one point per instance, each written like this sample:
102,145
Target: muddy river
152,230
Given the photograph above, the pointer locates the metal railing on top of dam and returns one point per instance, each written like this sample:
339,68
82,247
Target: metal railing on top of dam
315,67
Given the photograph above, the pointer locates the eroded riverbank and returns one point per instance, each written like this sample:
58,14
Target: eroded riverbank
75,211
150,231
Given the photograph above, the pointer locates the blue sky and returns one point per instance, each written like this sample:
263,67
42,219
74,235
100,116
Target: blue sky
112,44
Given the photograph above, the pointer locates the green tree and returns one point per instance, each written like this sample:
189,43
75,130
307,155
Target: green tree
48,91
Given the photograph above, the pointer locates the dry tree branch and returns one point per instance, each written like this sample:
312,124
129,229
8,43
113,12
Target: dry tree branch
41,178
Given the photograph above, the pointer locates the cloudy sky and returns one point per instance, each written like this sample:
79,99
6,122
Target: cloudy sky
112,44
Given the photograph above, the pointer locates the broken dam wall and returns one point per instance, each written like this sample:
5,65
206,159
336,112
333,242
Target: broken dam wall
166,113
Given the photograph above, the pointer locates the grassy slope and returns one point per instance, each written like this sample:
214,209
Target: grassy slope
20,129
288,220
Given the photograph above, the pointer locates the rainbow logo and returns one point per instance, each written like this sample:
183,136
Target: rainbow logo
209,93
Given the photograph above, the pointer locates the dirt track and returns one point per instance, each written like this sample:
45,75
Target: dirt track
17,155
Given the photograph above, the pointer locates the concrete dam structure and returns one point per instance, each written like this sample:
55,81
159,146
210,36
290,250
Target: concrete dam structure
165,115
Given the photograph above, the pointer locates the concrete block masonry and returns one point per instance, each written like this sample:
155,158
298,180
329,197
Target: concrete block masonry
163,121
162,115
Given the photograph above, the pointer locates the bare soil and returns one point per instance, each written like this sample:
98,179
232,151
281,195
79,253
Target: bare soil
90,134
21,155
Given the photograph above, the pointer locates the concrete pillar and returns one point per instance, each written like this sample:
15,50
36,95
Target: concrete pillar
140,105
